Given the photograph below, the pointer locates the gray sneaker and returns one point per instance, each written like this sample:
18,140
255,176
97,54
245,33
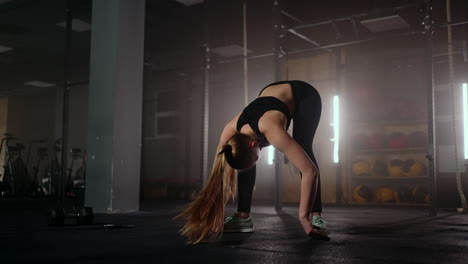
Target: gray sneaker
320,224
236,224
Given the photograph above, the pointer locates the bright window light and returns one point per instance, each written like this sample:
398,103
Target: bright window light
465,119
271,154
336,128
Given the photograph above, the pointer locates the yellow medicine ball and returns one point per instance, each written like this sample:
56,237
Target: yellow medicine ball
416,169
396,168
361,168
384,194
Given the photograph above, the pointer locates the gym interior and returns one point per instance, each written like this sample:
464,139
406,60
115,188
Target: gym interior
111,112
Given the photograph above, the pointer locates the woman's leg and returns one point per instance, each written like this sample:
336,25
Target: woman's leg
306,119
241,221
245,186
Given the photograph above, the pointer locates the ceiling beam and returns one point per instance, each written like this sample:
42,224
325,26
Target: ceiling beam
374,12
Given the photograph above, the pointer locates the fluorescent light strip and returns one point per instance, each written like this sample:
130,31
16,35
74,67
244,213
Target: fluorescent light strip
271,154
465,118
336,128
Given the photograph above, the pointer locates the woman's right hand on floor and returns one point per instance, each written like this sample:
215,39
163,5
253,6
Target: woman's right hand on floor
311,231
306,225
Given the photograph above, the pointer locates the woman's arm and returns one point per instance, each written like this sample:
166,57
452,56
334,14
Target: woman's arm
281,140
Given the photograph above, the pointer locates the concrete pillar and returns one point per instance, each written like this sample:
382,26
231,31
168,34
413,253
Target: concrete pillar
115,105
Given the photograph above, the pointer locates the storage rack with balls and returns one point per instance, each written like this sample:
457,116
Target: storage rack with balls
388,164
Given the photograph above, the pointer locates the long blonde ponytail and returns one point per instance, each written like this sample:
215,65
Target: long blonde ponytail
205,215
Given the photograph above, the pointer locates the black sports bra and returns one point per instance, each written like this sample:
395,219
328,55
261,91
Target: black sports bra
255,110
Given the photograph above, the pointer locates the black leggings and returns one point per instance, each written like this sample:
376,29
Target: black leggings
306,117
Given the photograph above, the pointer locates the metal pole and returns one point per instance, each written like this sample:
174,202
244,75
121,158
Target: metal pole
65,110
206,98
277,68
206,111
246,87
187,103
431,147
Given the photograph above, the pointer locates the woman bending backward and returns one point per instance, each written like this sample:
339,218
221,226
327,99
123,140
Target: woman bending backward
263,122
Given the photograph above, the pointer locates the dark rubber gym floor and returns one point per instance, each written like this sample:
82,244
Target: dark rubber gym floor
359,235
